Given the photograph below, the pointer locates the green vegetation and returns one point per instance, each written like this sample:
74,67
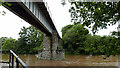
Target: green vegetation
2,40
9,44
77,40
74,38
29,42
95,15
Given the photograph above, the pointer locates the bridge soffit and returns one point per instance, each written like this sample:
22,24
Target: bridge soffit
36,12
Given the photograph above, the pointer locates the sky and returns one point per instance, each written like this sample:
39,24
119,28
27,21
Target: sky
10,24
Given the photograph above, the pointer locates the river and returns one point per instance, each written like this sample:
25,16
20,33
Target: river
71,60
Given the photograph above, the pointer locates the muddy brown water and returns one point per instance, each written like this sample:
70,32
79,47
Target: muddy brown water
71,60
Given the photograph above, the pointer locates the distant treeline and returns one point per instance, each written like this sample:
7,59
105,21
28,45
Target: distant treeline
77,40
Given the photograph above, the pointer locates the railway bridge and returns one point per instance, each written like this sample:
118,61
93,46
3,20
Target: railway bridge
38,15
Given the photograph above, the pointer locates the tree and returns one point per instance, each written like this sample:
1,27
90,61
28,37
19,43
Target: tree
91,45
116,33
29,42
30,38
76,40
97,45
73,39
98,15
95,15
2,40
21,46
64,29
9,44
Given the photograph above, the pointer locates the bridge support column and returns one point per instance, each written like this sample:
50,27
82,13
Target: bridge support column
57,54
45,53
54,45
50,48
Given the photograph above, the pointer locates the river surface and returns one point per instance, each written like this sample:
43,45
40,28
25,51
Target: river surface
71,60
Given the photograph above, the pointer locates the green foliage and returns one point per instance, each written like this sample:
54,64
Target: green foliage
73,39
95,15
76,40
64,30
115,33
21,46
9,44
39,48
31,35
91,43
30,40
97,45
2,40
63,2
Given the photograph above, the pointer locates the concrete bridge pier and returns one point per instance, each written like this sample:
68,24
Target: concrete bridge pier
50,49
45,53
55,44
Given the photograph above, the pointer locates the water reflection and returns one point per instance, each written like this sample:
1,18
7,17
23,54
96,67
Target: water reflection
71,60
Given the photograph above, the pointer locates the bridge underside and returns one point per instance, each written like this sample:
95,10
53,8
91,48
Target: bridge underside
42,23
